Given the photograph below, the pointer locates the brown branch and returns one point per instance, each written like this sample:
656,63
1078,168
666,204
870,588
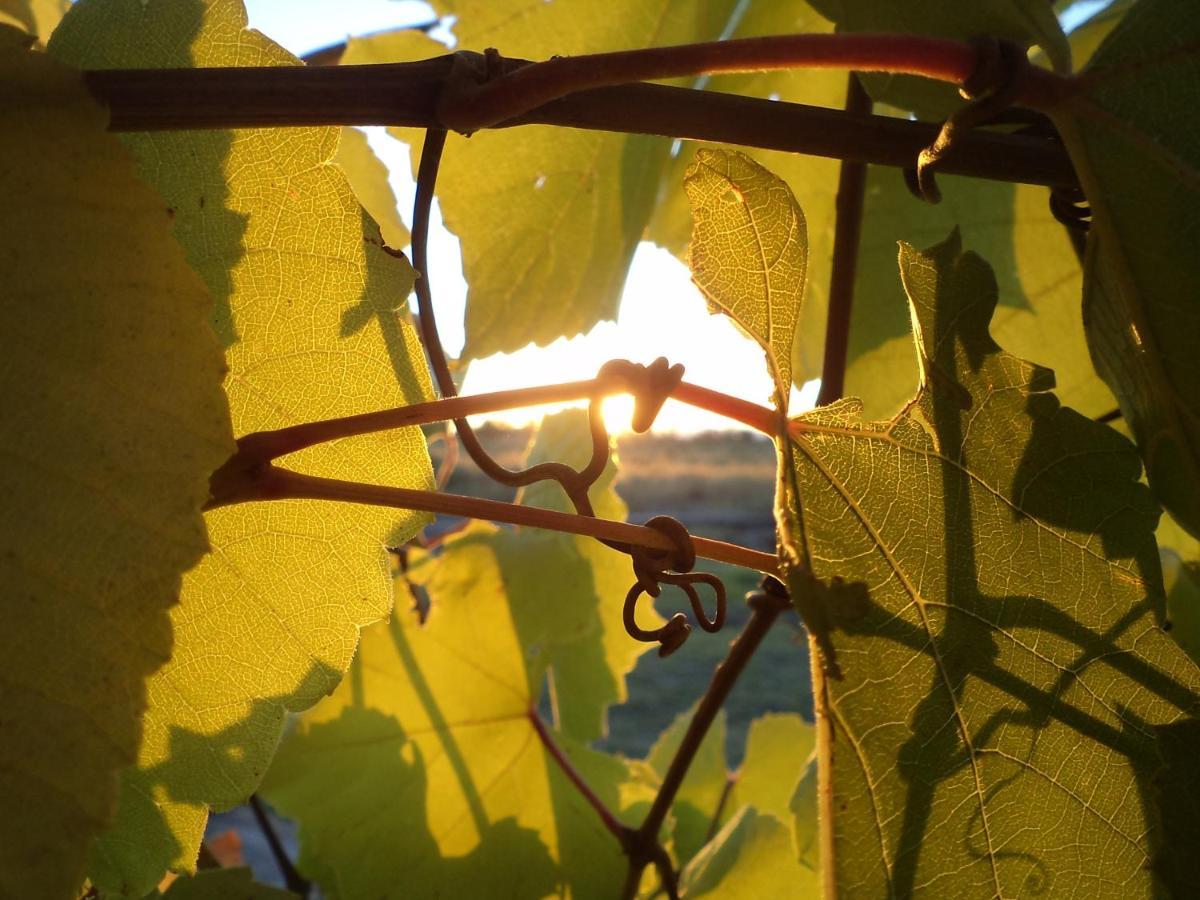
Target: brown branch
269,482
407,94
851,194
766,605
296,883
620,831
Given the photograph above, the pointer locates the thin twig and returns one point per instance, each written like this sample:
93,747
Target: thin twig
407,94
851,194
264,446
273,483
296,882
766,606
727,791
611,822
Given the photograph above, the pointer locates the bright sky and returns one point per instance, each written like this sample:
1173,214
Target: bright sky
662,313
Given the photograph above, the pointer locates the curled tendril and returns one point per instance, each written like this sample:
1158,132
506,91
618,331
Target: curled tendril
654,568
992,87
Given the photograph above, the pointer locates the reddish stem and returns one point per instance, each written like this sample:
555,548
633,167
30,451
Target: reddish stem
264,446
611,822
473,106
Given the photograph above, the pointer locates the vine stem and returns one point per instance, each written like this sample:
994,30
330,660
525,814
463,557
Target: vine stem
296,883
611,822
851,194
268,482
766,607
407,94
264,446
470,105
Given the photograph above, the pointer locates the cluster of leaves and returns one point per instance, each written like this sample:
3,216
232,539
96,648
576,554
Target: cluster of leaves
980,569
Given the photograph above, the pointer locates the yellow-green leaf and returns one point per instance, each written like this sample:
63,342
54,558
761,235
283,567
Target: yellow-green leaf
311,309
1009,695
699,798
778,747
368,178
112,420
38,17
438,718
812,179
750,858
1132,135
1039,275
548,217
749,252
587,671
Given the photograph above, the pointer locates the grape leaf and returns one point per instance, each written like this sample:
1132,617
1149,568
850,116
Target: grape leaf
368,178
699,797
38,17
1138,158
754,854
548,217
1009,647
438,717
587,673
1040,285
812,179
104,480
308,304
749,252
778,747
1024,21
751,857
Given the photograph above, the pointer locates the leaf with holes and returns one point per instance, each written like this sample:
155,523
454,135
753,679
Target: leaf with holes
1138,160
309,307
108,443
1010,636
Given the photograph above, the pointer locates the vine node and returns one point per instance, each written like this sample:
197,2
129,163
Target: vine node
997,80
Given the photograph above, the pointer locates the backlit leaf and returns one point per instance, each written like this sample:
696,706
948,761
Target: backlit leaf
749,252
548,217
699,797
309,307
108,443
1024,21
1138,159
37,17
1007,686
778,747
751,857
1038,272
368,178
437,717
812,179
588,671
